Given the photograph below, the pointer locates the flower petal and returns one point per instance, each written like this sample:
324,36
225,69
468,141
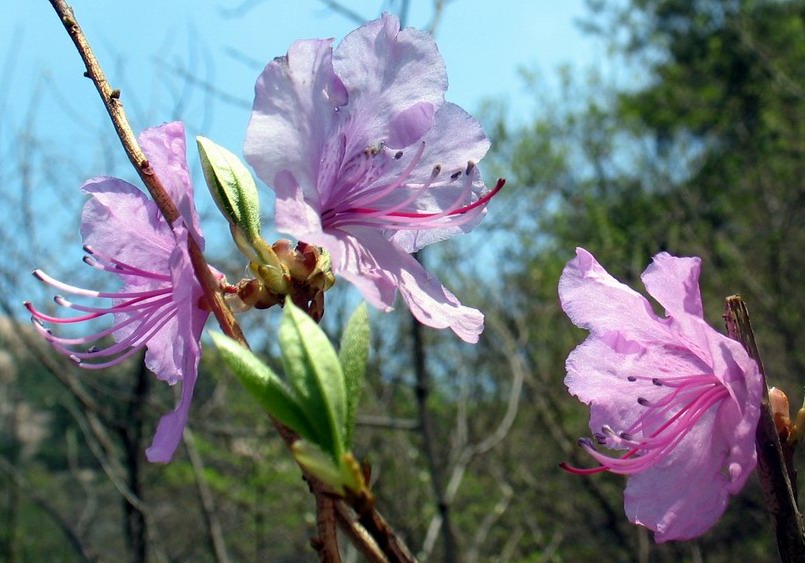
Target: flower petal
598,373
169,430
295,108
674,283
185,351
429,301
686,494
596,301
122,222
386,71
166,150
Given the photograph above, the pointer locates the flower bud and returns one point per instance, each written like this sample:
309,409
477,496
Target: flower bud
780,411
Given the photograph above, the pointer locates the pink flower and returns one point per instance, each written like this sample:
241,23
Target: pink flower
368,161
680,398
159,306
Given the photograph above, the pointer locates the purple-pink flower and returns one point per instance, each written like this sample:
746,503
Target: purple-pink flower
160,306
368,161
681,399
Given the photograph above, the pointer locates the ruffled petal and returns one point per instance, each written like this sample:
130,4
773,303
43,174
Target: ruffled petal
596,301
166,149
123,223
674,283
185,351
686,494
598,373
295,108
429,301
386,71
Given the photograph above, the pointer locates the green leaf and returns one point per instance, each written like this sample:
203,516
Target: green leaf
269,390
314,372
353,355
232,187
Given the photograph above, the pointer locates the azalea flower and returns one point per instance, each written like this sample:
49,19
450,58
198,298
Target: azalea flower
368,161
681,399
160,306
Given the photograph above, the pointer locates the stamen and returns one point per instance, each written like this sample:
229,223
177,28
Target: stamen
692,397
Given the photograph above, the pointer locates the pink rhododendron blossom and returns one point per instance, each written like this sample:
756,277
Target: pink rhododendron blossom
368,161
159,306
681,399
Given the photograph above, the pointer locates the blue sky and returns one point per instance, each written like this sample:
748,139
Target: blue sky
198,61
141,43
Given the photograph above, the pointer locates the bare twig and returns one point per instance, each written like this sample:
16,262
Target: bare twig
214,530
358,535
326,544
387,422
774,475
426,429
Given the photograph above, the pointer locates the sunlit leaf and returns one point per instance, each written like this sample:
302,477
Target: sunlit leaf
353,354
269,390
314,372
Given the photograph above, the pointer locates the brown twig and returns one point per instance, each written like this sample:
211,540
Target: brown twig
384,536
326,544
774,475
358,535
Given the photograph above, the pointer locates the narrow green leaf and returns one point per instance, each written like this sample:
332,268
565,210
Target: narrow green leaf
269,390
232,187
313,370
353,355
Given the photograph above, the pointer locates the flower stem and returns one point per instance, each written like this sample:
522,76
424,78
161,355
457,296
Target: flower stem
776,477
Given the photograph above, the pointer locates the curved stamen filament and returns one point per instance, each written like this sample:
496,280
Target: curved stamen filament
119,267
372,194
646,452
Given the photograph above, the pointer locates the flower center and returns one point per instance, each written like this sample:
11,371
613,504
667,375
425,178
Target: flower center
380,188
661,426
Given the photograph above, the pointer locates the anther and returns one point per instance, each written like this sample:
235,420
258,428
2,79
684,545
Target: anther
600,438
470,167
398,155
643,402
455,175
632,378
656,382
626,436
436,170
